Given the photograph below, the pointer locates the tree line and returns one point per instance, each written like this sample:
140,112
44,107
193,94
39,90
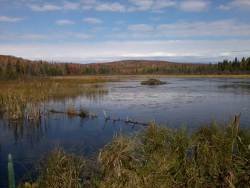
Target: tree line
14,68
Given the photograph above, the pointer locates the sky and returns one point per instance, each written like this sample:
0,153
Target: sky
87,31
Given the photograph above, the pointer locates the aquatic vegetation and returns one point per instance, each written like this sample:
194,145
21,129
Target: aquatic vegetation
152,82
212,156
25,99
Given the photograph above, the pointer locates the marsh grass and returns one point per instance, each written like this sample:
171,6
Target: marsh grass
62,170
25,98
212,156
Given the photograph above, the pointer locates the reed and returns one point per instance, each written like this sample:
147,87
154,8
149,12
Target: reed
213,156
24,99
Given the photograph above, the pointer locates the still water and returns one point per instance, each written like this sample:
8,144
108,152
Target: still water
184,102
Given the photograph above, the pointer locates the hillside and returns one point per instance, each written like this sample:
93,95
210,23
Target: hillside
13,67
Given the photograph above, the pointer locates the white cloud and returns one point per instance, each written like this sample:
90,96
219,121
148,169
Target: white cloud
140,28
224,7
194,5
84,4
64,22
45,7
112,7
88,4
53,7
242,4
57,36
220,28
187,50
161,4
71,6
131,6
92,20
144,5
10,19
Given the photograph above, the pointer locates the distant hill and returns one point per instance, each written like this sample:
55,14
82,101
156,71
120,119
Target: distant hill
14,67
142,67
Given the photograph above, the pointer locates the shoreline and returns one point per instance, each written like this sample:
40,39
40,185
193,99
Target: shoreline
154,75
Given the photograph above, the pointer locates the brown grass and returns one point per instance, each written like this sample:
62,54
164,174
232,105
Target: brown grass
62,170
212,156
24,98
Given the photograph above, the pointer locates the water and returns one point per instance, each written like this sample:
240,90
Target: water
184,102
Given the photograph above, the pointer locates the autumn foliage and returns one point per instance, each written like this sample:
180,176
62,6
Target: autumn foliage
13,68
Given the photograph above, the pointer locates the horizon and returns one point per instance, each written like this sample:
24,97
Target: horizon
114,60
92,31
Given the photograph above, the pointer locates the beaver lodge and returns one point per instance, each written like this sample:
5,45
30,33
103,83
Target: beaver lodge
152,82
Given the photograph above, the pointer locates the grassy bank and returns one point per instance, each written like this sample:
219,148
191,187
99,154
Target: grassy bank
212,156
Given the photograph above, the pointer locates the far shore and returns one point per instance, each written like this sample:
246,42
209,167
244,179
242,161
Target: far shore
118,77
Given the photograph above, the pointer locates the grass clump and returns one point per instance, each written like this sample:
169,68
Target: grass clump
25,98
62,170
212,156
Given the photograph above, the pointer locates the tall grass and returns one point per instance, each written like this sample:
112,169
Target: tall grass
212,156
62,170
25,98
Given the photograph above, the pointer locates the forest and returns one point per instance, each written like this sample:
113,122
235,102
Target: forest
14,68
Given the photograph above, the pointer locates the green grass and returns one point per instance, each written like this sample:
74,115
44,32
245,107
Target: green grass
212,156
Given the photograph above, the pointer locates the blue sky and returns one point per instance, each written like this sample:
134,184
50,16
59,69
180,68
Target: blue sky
106,30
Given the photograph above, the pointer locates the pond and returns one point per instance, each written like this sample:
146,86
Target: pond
183,102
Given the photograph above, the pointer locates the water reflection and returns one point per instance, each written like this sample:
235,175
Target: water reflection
239,87
92,92
34,130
